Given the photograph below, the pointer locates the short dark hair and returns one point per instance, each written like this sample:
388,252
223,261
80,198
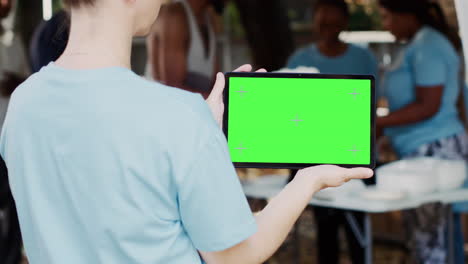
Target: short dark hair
78,3
339,4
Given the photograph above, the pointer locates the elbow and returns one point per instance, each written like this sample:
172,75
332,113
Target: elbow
244,252
429,109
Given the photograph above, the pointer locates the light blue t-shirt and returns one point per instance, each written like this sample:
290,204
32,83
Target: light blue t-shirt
428,60
355,60
106,167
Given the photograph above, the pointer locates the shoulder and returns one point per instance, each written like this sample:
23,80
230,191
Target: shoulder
174,13
126,92
26,95
309,49
431,42
302,53
176,118
191,107
361,59
29,83
360,51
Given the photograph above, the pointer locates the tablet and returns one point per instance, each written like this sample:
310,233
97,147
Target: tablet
294,120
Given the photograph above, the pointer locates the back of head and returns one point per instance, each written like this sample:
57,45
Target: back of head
140,15
428,12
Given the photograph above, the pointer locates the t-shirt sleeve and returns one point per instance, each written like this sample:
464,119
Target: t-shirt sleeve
212,204
429,67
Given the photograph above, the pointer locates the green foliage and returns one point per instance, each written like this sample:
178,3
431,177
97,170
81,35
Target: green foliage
57,5
364,17
233,16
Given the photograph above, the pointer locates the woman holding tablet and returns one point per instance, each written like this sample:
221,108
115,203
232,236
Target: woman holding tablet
106,167
422,87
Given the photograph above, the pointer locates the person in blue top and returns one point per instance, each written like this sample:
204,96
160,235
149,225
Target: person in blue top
329,54
106,167
332,56
423,87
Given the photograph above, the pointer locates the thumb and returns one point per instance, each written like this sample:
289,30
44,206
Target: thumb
218,87
244,68
359,173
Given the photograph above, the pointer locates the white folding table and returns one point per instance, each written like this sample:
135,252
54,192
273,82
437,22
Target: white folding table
267,187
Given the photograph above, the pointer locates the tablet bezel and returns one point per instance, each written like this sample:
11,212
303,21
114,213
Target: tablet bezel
300,75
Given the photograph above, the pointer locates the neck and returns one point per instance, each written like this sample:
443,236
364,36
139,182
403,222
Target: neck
414,29
198,6
94,41
332,48
331,43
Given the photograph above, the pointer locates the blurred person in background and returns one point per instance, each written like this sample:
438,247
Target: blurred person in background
13,71
182,45
330,55
422,88
49,40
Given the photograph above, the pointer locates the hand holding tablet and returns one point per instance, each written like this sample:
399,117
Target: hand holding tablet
215,99
329,176
281,120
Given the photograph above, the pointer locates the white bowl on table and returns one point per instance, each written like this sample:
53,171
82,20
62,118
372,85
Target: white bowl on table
451,174
421,175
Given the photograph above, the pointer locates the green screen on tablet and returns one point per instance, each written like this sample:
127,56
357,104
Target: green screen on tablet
297,120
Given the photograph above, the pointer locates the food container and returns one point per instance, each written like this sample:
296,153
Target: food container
451,174
421,175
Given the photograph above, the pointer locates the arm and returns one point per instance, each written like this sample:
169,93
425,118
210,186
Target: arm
171,48
427,104
152,44
277,219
